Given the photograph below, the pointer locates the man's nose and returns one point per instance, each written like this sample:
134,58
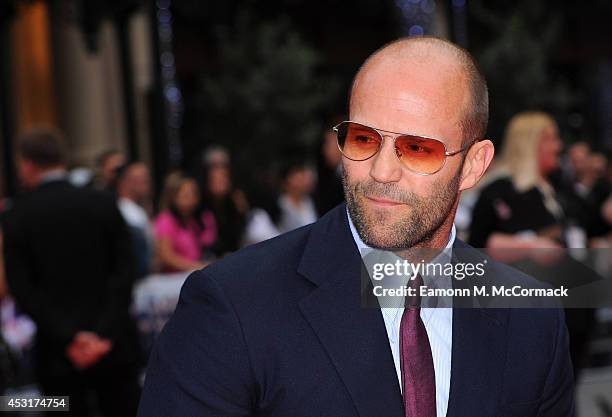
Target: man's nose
386,166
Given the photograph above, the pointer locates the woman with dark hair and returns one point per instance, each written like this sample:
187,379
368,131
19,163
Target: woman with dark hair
265,214
328,192
229,206
184,232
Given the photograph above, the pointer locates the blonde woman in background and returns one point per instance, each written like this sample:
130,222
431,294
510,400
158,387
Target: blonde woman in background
519,208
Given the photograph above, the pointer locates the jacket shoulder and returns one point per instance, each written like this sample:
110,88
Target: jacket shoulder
272,259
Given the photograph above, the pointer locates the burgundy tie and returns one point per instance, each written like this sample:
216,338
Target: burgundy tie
418,376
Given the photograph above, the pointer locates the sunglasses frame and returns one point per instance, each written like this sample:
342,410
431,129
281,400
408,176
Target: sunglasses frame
396,135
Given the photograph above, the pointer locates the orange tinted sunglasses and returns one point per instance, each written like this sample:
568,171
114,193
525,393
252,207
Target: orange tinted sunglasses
420,154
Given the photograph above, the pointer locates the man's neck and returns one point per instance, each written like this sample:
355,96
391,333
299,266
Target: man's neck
296,198
124,195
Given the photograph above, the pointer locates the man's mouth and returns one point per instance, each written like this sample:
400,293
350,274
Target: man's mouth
384,202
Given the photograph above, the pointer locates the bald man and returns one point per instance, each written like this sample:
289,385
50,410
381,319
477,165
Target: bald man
280,328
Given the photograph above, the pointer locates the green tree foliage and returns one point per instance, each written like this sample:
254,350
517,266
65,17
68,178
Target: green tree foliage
265,96
515,47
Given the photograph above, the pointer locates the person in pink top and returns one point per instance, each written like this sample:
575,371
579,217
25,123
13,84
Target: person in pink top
183,231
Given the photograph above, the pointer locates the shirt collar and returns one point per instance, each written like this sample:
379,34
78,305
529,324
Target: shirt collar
391,314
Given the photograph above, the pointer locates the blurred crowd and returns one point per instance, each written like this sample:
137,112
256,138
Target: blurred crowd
76,240
203,216
539,193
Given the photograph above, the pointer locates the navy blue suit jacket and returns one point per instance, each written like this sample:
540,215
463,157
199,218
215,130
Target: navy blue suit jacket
277,329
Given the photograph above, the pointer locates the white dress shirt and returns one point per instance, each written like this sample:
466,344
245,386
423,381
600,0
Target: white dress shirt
438,323
137,217
294,216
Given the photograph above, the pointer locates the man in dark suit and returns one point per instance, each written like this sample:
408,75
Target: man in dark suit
278,329
70,267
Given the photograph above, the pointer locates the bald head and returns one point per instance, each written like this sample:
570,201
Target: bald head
424,61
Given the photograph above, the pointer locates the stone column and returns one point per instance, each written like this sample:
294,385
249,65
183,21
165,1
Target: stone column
88,86
142,67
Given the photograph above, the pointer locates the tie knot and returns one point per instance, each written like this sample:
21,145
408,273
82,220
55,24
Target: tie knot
415,300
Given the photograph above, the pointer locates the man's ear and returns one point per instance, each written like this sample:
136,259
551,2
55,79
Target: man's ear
477,161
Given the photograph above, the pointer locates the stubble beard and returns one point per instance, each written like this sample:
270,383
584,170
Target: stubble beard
423,219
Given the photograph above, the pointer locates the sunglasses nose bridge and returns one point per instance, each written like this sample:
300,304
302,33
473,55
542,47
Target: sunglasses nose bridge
386,167
391,137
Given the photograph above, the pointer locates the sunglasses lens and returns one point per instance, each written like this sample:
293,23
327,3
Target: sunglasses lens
422,155
419,154
358,142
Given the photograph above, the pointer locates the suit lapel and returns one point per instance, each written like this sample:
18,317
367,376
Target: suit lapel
478,357
354,337
478,352
356,340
